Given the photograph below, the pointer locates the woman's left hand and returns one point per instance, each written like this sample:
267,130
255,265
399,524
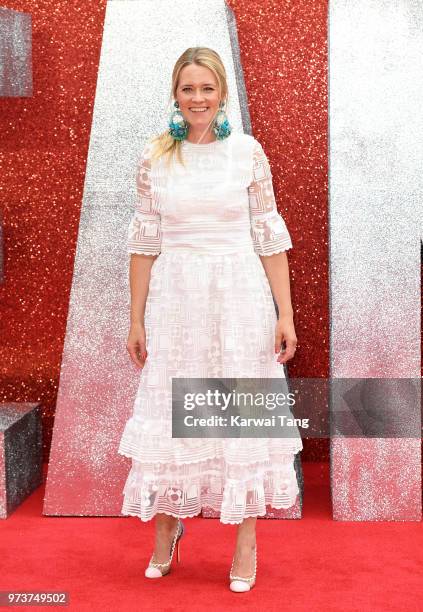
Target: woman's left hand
285,332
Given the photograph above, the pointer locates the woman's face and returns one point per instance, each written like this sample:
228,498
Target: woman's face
198,89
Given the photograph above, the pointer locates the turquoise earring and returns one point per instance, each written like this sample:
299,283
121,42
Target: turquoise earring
178,127
221,125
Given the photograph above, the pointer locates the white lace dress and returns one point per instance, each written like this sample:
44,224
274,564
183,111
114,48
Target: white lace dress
209,314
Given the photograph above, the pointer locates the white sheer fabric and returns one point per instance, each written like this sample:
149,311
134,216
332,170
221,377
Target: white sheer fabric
209,314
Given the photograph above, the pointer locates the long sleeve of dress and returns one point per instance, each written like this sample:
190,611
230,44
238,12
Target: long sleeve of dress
144,231
268,229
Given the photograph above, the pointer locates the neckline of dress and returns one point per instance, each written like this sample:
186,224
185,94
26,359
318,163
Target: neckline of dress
202,144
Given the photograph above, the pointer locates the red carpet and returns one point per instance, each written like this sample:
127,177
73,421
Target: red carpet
311,564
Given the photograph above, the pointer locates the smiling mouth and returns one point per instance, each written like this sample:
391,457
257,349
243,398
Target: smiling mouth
199,109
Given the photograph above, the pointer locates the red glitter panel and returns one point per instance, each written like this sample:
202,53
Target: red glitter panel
284,54
43,155
45,140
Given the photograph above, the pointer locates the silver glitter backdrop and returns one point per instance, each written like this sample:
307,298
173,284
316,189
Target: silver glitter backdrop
98,382
15,53
376,194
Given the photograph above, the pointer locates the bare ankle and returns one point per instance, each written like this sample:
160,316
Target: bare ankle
244,548
166,525
246,540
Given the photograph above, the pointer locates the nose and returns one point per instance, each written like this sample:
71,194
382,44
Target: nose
197,95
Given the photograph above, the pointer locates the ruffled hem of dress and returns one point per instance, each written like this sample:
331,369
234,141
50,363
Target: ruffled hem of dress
135,445
129,455
193,515
234,491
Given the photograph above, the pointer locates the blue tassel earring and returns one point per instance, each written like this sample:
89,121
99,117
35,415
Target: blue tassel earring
221,125
178,127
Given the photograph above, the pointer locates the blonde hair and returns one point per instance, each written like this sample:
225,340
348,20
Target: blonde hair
164,143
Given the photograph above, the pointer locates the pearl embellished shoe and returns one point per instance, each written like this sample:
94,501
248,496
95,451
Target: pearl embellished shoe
238,583
157,570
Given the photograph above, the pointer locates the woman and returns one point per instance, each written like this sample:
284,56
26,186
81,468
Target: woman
207,250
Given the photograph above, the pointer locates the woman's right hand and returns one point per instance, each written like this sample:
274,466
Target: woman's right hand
136,344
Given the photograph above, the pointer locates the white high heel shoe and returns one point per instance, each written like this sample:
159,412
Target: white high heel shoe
157,570
238,583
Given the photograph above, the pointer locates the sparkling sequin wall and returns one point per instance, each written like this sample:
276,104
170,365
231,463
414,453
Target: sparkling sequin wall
44,146
376,228
44,150
284,55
